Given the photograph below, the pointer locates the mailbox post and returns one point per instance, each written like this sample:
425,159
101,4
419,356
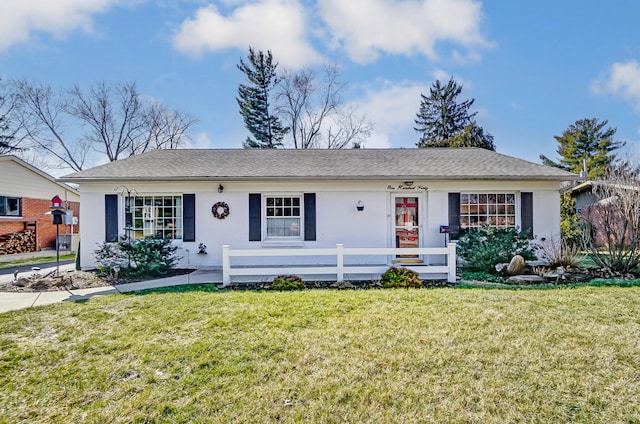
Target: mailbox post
446,230
57,213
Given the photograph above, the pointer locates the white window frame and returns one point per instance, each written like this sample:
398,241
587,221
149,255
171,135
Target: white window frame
177,219
281,239
516,209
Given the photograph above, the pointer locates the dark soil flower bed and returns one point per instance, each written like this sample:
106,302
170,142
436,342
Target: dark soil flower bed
346,285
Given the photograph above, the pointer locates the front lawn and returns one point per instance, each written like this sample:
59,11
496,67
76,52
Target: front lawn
403,355
5,262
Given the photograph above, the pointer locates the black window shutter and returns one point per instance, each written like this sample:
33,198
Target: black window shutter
310,216
255,219
189,217
454,215
110,217
526,212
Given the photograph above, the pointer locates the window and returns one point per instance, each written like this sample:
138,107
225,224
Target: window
283,216
10,206
158,216
495,210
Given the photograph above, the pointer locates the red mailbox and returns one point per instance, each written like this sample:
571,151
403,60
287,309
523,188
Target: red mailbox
56,202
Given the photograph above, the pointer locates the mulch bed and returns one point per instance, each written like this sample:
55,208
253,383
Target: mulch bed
36,282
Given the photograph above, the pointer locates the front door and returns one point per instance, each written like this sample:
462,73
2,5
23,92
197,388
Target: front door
407,223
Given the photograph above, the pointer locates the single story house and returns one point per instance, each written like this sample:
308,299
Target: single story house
25,200
298,200
597,203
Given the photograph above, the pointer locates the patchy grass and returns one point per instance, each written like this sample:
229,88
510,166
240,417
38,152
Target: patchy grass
35,260
586,260
596,282
406,355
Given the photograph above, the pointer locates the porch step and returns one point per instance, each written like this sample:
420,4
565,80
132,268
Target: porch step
407,261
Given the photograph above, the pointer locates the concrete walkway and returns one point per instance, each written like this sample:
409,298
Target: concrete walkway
20,300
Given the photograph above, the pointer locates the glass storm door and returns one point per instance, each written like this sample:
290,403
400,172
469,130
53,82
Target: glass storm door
406,227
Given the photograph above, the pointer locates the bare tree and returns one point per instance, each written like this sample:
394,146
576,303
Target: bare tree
166,128
41,115
314,110
111,120
8,140
612,224
114,116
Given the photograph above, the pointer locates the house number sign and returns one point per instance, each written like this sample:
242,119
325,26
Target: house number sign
407,186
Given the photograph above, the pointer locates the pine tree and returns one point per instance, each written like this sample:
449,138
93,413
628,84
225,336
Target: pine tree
440,116
586,139
254,101
472,136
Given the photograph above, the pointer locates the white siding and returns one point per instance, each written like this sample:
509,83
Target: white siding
337,220
17,180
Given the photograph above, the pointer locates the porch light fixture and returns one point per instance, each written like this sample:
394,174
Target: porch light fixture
360,206
220,188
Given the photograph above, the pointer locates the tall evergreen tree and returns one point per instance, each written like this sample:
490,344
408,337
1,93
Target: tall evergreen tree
255,101
471,136
441,116
586,139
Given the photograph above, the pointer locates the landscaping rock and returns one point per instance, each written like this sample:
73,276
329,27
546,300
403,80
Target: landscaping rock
21,282
342,285
516,266
561,276
525,280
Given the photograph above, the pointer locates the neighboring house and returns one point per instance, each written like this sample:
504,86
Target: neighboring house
25,200
305,199
585,194
597,205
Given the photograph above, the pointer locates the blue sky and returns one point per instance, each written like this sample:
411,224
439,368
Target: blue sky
533,68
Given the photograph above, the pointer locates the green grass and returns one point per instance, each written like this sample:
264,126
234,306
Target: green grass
193,354
6,263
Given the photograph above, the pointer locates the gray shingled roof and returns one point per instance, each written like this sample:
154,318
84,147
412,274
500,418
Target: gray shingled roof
350,164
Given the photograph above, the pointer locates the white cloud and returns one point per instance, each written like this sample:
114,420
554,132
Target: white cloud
622,79
367,29
276,25
20,20
392,107
200,141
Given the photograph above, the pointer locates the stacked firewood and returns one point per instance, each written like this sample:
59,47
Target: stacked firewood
21,242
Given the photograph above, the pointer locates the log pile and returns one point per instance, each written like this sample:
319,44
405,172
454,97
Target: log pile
21,242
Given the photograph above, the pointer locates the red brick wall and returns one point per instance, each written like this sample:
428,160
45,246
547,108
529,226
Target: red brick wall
36,208
10,227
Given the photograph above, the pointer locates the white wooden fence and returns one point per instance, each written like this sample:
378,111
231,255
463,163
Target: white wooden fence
340,269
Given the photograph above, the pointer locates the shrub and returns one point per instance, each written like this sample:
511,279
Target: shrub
467,275
109,255
287,282
482,248
570,228
149,257
78,258
559,253
400,277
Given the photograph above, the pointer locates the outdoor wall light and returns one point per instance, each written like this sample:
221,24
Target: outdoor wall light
220,188
360,206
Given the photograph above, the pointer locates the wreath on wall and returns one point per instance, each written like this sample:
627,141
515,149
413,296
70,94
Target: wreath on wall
220,210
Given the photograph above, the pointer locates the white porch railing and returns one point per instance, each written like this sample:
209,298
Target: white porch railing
340,269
